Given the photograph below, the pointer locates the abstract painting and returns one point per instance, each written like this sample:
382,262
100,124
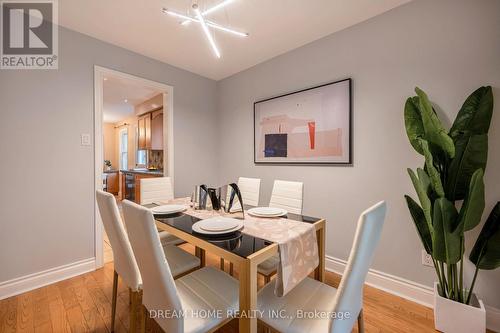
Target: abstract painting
310,126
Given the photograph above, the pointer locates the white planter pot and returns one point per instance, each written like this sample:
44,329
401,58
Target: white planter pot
455,317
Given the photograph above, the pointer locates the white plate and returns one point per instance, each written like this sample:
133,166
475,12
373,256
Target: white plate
267,211
217,225
168,209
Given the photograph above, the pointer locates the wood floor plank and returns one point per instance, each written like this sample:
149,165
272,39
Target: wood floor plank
41,308
46,327
8,321
25,317
94,320
76,320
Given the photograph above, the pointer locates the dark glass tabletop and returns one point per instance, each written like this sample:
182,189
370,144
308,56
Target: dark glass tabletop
239,243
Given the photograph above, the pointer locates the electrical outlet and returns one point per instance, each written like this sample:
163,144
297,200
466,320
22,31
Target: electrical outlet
427,259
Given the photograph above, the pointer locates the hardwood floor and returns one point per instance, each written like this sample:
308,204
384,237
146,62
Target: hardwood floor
83,304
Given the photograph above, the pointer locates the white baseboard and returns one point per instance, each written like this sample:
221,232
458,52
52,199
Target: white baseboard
36,280
407,289
492,318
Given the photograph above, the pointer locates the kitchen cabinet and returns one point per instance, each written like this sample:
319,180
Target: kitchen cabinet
111,181
144,132
150,131
157,130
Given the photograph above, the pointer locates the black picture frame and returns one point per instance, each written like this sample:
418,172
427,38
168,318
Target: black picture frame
350,138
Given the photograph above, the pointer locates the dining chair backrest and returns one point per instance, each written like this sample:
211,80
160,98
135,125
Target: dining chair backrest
155,189
250,190
287,195
124,261
159,290
349,297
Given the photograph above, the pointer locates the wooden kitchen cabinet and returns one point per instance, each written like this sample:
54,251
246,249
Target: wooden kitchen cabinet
112,181
157,130
144,132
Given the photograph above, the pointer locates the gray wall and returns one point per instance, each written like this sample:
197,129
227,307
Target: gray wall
448,48
46,177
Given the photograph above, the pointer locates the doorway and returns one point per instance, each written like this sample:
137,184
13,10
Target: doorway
117,107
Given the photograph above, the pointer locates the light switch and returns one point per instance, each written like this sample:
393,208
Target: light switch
85,138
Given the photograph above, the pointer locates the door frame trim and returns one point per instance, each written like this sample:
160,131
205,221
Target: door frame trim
168,140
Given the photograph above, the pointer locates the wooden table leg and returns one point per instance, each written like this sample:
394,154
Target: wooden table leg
319,273
248,296
200,253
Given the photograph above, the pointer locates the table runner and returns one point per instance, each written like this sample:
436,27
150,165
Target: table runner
297,244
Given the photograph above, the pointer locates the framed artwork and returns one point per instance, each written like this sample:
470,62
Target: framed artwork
310,126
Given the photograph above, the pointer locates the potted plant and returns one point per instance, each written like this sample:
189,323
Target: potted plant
450,190
107,163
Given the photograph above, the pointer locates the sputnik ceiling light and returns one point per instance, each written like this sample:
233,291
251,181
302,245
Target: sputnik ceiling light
205,24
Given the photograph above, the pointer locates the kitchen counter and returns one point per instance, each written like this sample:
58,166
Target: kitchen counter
143,172
110,171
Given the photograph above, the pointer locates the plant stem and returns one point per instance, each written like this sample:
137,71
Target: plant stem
461,285
450,281
445,284
472,285
438,272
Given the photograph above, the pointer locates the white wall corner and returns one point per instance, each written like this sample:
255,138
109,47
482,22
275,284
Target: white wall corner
36,280
407,289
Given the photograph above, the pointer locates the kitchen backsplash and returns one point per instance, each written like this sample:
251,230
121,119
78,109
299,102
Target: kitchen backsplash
155,159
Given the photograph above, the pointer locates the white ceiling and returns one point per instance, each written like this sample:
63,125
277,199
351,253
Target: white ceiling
275,27
116,91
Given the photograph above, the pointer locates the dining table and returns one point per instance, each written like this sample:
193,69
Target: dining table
244,251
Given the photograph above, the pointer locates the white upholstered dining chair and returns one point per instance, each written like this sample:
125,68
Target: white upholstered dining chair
250,190
206,289
157,189
125,264
346,302
286,195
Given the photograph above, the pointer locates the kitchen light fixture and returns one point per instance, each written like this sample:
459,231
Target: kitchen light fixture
200,18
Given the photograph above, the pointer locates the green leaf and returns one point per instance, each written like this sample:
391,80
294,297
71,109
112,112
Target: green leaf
434,175
434,131
473,206
418,217
475,115
413,123
486,252
447,237
471,154
422,190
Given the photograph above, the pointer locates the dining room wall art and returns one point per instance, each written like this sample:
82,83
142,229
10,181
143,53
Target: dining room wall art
310,126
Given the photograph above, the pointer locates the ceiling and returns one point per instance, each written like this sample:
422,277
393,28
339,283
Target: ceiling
116,91
275,27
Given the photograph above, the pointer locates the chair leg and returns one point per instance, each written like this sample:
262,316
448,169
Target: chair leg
361,322
267,279
222,264
113,302
134,309
144,316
